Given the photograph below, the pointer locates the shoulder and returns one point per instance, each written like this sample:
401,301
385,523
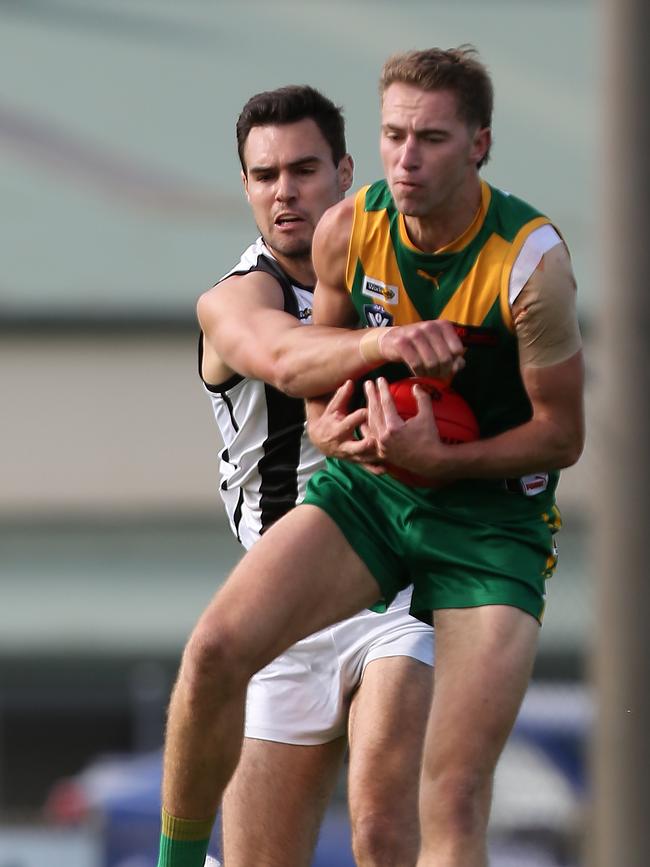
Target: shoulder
511,216
333,231
337,218
259,289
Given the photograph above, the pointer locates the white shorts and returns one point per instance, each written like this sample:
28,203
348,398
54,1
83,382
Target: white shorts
303,696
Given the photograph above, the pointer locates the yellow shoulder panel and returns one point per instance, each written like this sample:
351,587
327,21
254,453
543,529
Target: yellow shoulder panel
473,299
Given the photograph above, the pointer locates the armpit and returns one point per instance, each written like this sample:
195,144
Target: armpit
545,317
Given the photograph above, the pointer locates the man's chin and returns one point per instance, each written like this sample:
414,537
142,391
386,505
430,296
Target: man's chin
409,206
291,249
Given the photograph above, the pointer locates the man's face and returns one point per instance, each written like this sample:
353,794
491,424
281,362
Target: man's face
291,181
428,151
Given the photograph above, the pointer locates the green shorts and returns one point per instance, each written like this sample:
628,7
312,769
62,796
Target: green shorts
465,545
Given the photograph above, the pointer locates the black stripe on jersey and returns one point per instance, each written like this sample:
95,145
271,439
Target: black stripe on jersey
224,457
231,412
238,511
270,266
221,387
279,467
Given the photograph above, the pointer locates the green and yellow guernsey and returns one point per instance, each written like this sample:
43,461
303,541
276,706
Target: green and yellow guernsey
391,282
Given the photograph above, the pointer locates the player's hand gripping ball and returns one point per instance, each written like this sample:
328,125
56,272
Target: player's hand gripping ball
454,417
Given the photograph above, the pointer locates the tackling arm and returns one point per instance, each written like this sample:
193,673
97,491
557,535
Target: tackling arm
247,331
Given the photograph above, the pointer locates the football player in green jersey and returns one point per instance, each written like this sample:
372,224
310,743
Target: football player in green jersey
432,244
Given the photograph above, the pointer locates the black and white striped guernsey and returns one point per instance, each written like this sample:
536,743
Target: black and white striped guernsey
267,457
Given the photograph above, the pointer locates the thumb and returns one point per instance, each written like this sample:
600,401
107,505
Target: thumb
423,400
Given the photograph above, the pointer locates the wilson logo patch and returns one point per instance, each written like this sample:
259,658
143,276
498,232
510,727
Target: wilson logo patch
381,291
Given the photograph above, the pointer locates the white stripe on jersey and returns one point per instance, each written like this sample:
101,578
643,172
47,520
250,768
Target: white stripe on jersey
267,457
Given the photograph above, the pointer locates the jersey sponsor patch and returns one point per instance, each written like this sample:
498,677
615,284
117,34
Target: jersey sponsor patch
376,316
381,291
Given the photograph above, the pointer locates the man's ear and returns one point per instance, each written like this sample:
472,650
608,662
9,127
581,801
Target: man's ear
481,144
244,181
346,172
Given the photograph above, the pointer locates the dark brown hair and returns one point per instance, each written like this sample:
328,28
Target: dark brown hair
289,105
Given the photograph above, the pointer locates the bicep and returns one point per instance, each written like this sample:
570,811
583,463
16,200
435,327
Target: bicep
242,320
556,395
545,314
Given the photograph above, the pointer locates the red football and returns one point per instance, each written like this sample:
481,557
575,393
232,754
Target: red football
454,418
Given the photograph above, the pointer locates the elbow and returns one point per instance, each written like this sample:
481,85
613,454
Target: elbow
570,450
569,457
286,378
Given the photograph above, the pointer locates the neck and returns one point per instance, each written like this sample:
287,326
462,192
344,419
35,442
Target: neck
445,225
299,268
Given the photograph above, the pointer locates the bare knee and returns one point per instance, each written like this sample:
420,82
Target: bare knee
460,799
380,839
213,663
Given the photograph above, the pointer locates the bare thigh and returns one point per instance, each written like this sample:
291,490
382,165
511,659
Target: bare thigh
301,576
484,658
387,725
274,805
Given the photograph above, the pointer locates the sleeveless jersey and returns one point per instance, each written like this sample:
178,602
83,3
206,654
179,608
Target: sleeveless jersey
391,282
267,457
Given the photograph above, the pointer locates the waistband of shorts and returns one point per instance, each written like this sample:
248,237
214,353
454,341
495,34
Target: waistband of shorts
530,485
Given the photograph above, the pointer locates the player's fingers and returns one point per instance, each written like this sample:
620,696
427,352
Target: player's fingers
341,397
459,364
434,355
391,416
375,412
423,401
360,450
452,337
353,420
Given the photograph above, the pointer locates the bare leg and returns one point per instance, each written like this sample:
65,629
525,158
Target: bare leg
300,577
274,804
387,724
484,658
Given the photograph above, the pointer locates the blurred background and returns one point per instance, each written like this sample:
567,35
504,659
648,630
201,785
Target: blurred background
120,201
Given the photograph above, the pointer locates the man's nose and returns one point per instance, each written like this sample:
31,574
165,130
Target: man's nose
286,188
410,156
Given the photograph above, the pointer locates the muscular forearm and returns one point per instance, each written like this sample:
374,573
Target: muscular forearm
552,439
328,356
537,446
315,360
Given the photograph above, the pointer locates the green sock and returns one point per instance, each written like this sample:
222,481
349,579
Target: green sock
183,842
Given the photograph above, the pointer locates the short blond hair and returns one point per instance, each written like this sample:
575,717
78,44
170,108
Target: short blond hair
458,70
